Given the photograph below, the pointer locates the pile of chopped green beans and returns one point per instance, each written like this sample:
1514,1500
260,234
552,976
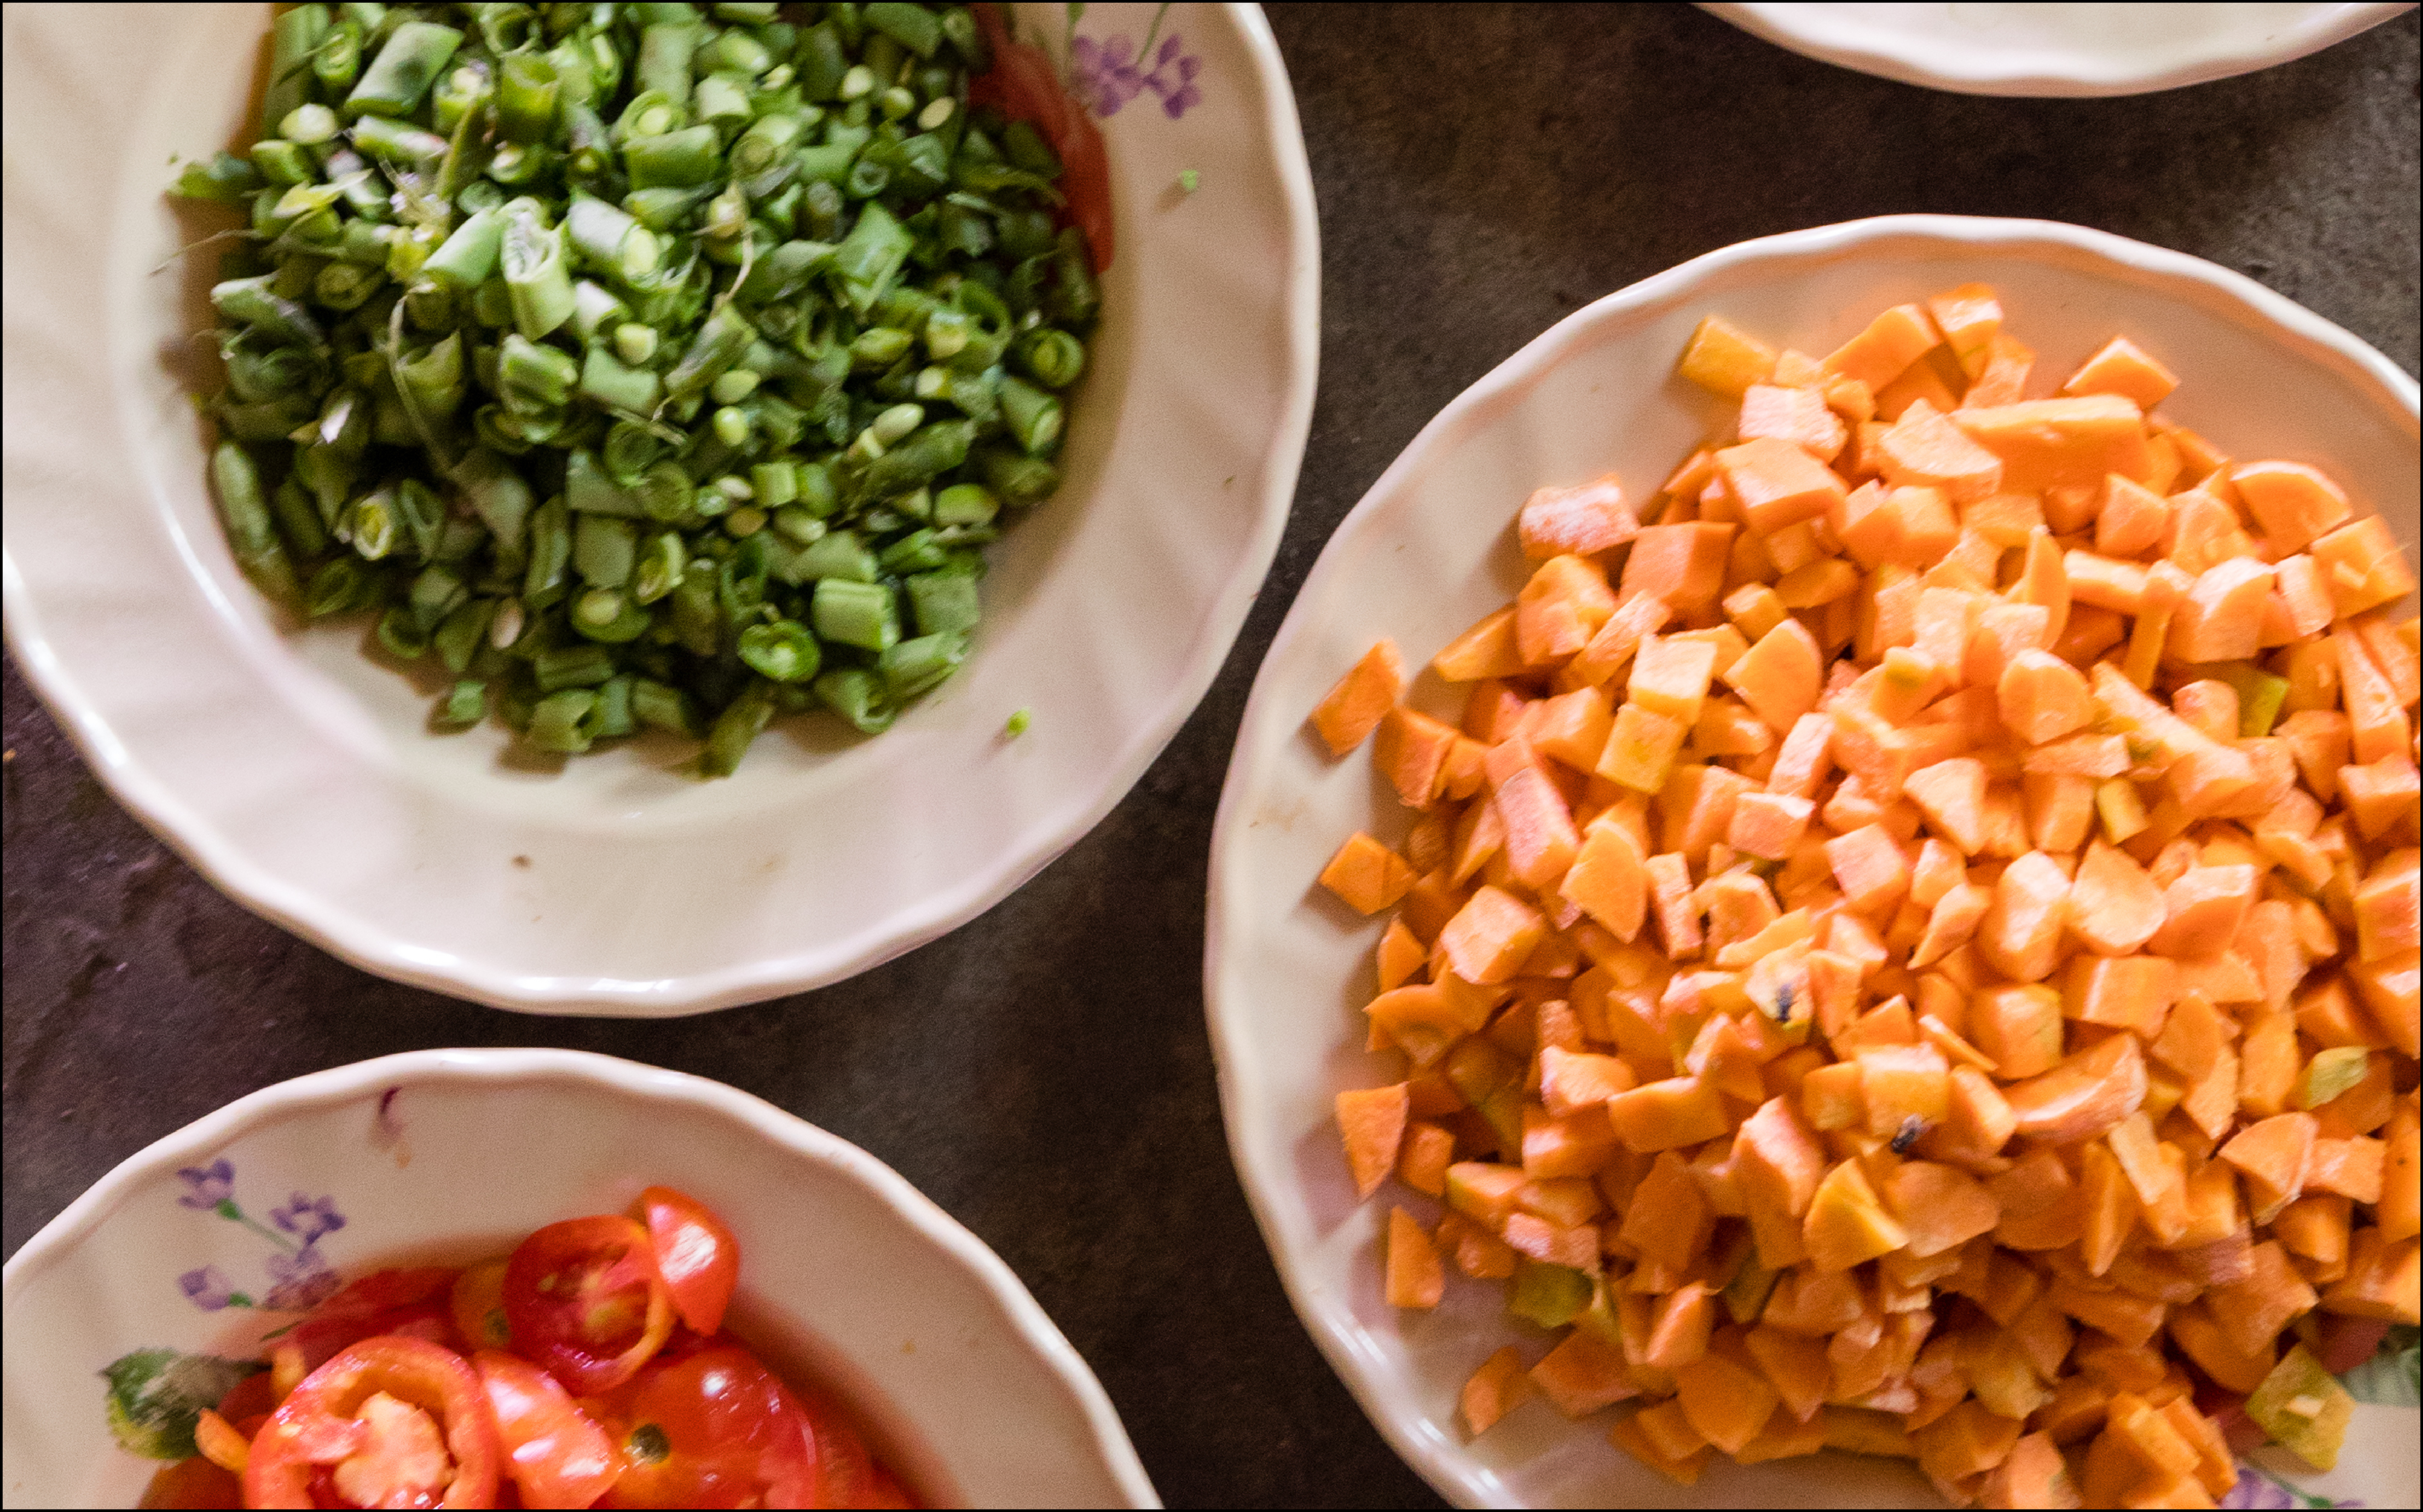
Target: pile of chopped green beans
643,364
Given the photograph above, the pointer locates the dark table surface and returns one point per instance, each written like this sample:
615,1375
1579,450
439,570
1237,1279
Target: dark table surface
1480,173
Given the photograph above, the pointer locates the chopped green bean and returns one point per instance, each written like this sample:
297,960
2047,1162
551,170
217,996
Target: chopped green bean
650,364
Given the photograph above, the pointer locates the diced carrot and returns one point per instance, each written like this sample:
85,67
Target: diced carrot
1413,750
1373,1123
2122,992
1494,1390
1490,936
1924,382
1667,1115
2123,368
1940,1207
1354,708
2008,362
2377,724
2380,796
1571,727
1636,615
1366,875
1540,840
1970,317
2221,619
1924,450
2045,443
2084,1095
2380,1280
2021,935
2130,518
1797,415
1869,867
2363,565
1890,344
1724,360
1583,1374
1776,483
1679,1333
1429,1149
2041,697
1632,1434
1416,1278
1583,520
2294,503
1846,1222
1486,650
2203,909
1726,1402
1560,609
1683,565
2033,1475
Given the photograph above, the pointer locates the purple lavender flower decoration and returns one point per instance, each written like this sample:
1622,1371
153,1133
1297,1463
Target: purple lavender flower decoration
2259,1488
307,1219
304,1281
207,1288
207,1186
1179,95
1105,74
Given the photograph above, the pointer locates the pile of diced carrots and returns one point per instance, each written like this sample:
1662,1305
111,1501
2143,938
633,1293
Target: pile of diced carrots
1914,949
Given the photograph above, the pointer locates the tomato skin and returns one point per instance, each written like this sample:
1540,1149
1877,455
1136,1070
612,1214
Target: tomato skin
555,1452
569,1300
414,1371
477,1306
696,1253
726,1433
1024,86
396,1300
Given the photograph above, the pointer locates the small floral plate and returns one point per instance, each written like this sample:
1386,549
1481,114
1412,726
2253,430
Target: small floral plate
151,1294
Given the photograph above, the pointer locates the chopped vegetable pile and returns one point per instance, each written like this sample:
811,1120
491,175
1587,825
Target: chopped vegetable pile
1915,949
646,364
589,1367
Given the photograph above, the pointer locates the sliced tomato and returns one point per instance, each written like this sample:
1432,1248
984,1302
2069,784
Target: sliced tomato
556,1454
402,1300
1023,86
249,1397
696,1254
583,1299
846,1472
477,1306
191,1483
387,1421
712,1429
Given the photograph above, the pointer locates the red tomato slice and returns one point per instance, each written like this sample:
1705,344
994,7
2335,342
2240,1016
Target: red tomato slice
249,1397
696,1254
557,1454
395,1422
1024,87
712,1429
400,1300
584,1302
477,1306
846,1472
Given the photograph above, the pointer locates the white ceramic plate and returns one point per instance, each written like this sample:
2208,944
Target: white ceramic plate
2055,49
1429,550
300,777
849,1277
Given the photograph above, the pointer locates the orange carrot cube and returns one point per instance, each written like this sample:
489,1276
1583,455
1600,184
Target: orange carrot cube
1491,935
1366,875
1798,416
2045,443
2123,368
1540,840
1561,609
1724,360
1415,1276
1354,708
1583,521
1970,317
1868,867
2130,518
2363,565
2221,619
1494,1390
1890,345
1780,677
1486,650
1924,450
1413,750
1609,880
1373,1123
1683,565
1667,1115
2294,503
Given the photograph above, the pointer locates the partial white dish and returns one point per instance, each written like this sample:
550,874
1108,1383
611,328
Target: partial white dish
1431,548
299,775
850,1277
2055,49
